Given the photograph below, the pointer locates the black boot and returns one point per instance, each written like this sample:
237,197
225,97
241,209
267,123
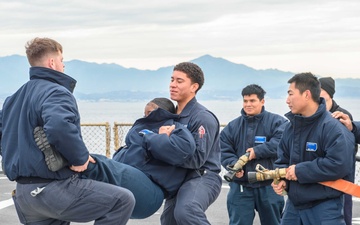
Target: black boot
54,160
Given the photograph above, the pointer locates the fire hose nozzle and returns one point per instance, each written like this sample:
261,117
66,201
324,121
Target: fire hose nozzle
232,170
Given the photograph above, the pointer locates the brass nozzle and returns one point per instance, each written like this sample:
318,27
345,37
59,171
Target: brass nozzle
229,176
241,162
265,174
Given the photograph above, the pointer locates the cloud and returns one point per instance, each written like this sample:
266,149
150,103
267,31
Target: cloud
151,34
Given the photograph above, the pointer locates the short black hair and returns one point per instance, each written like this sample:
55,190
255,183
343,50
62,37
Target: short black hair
164,103
254,89
193,71
307,81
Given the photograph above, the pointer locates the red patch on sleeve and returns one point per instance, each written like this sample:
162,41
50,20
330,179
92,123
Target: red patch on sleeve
201,131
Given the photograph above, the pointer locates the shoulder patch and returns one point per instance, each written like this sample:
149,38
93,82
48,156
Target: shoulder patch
201,131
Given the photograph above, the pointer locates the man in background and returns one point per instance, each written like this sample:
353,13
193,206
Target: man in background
258,132
327,92
43,195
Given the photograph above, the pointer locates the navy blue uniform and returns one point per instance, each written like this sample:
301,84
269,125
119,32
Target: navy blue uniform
141,165
155,153
261,132
321,148
46,100
356,131
348,204
202,184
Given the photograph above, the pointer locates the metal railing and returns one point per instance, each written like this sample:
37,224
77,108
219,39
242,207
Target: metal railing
97,137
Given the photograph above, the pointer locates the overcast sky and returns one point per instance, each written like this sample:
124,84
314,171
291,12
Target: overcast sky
319,36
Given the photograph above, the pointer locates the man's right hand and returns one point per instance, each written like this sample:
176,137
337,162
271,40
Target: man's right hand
343,118
239,174
166,129
82,168
279,187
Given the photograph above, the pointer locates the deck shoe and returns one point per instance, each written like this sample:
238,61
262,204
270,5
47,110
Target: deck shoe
54,160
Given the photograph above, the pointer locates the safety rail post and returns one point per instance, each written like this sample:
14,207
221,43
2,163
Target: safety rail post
120,134
116,137
108,139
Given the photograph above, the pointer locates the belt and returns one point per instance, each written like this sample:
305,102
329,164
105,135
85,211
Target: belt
33,180
202,171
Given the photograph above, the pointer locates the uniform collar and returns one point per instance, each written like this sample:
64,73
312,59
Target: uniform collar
188,108
157,115
53,76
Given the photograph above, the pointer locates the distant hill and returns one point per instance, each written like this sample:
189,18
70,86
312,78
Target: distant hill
224,80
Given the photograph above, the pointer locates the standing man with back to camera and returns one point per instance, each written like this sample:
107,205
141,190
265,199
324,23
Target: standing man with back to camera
44,196
314,148
202,184
257,132
327,92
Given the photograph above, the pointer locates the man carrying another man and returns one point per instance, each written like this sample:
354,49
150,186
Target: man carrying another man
44,196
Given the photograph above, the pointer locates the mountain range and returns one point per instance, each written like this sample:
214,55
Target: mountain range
224,80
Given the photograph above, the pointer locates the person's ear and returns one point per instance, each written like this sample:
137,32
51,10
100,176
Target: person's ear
51,63
194,87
